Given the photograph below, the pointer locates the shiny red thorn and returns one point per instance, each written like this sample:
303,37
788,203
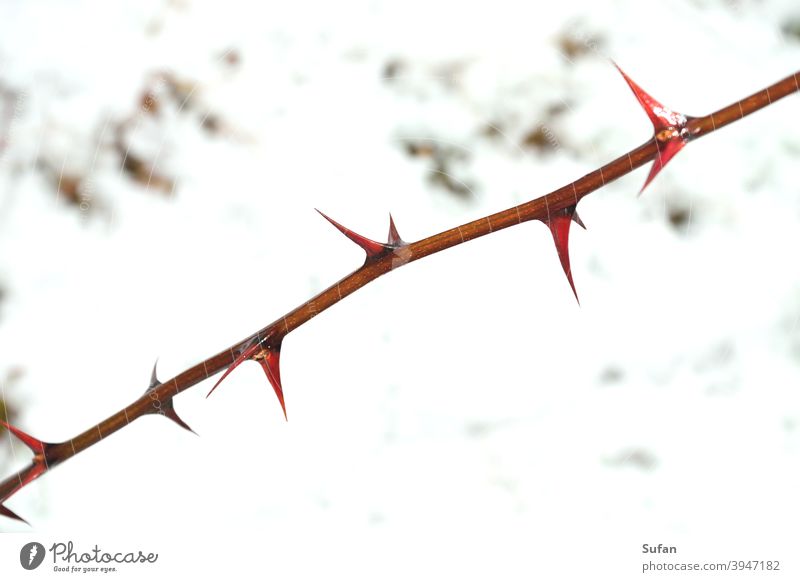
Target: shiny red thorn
244,356
662,117
34,444
270,363
559,224
371,247
669,127
666,151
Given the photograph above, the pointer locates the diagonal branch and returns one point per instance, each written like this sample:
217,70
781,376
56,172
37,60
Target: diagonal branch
672,131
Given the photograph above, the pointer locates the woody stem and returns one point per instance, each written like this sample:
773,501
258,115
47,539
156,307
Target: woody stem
538,209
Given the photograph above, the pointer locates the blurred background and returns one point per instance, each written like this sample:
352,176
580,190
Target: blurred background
159,166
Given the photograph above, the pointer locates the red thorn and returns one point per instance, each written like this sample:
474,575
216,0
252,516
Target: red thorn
244,356
371,247
559,224
661,117
394,236
269,358
270,363
34,444
669,127
8,513
666,151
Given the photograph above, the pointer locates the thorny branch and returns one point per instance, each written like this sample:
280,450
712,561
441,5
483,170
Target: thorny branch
672,131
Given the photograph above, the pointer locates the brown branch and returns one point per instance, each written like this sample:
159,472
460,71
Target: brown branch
672,132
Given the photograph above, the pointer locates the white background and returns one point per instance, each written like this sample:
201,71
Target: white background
461,417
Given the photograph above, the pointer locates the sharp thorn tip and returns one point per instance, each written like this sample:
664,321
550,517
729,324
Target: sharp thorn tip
154,376
10,514
371,247
559,224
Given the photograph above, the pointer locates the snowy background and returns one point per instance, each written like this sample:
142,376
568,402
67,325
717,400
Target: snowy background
462,417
